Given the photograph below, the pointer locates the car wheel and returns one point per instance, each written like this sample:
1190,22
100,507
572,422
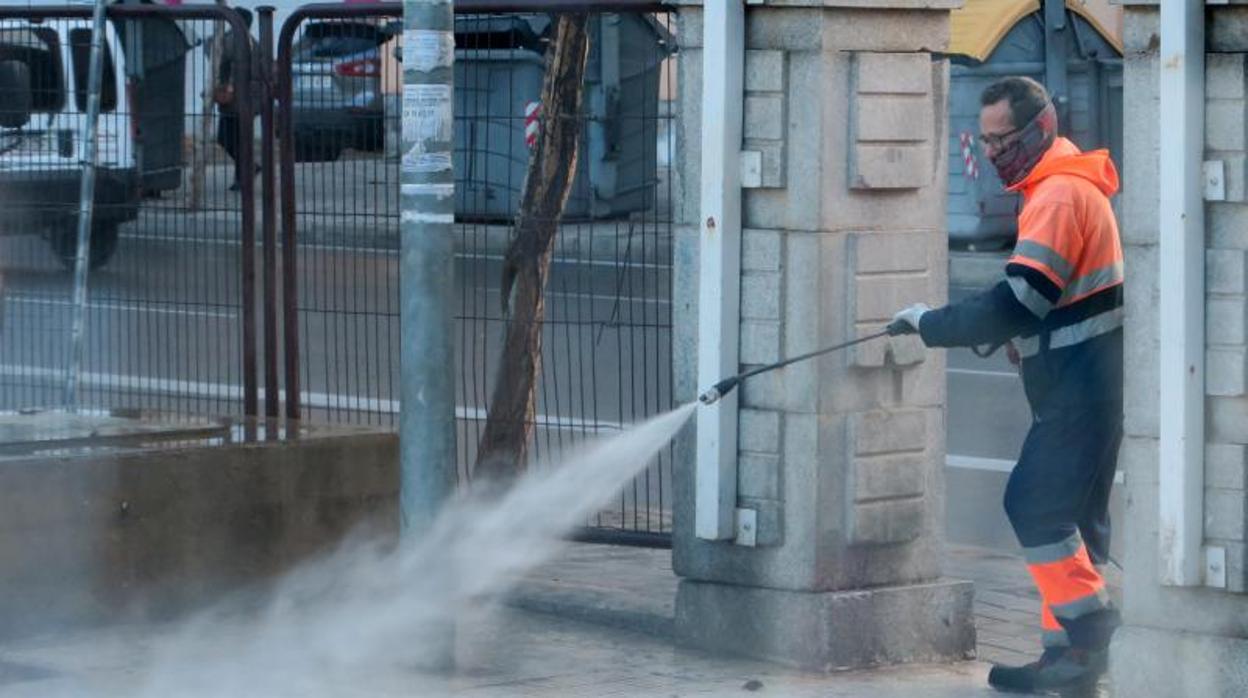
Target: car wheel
372,137
104,238
317,147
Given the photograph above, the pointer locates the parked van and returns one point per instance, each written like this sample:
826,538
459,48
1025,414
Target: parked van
43,103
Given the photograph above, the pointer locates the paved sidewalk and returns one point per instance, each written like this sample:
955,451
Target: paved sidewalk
504,653
635,589
624,595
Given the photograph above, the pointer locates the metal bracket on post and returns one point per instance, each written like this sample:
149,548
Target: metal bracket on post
1215,180
1215,567
719,275
747,528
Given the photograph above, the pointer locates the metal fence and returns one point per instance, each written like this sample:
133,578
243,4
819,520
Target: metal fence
607,333
215,291
170,316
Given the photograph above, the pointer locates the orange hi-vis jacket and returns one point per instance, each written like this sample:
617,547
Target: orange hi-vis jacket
1061,300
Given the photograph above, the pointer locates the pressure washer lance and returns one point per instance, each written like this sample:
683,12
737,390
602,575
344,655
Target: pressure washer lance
722,388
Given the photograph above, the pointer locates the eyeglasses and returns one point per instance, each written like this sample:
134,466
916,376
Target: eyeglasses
997,140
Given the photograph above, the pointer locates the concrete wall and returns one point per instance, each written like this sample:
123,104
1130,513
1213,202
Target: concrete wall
111,534
1203,632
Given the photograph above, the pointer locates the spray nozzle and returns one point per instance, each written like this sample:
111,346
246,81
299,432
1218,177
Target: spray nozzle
719,390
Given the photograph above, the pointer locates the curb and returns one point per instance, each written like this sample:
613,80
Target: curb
591,607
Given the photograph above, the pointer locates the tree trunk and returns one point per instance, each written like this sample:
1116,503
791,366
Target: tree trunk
501,455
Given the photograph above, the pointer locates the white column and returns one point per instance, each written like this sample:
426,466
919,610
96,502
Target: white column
1182,285
723,65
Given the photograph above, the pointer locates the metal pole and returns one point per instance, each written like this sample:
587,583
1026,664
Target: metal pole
242,77
86,204
426,279
268,210
290,258
427,421
1055,58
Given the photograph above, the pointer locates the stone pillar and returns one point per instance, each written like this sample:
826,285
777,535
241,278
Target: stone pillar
841,458
1201,634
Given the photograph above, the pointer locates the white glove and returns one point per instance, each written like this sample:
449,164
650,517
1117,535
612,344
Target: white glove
911,315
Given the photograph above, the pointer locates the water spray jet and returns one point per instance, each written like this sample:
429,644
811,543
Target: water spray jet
727,385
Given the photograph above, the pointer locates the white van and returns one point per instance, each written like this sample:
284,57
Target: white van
43,102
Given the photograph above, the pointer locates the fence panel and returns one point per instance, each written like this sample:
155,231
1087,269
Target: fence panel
170,311
607,333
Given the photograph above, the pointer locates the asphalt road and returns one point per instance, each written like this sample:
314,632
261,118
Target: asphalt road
987,414
164,326
164,319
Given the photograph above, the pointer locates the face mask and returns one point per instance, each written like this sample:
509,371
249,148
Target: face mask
1015,160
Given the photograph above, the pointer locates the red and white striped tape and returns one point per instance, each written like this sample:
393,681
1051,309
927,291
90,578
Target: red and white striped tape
531,125
968,156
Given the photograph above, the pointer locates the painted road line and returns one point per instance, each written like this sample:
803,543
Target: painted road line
122,307
981,372
394,252
996,465
199,390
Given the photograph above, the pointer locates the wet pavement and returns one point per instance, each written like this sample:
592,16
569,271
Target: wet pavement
604,629
506,653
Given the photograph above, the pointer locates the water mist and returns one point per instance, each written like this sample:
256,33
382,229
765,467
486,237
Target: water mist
371,608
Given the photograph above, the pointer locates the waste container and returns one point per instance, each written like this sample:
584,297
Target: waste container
499,69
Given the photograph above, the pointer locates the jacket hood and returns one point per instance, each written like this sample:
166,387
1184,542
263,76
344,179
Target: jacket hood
1065,158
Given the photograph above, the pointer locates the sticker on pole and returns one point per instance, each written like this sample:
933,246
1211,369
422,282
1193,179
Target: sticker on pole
428,49
427,119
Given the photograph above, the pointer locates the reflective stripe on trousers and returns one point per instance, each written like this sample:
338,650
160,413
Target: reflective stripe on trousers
1070,586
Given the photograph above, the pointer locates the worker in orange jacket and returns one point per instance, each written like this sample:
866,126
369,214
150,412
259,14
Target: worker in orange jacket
1060,309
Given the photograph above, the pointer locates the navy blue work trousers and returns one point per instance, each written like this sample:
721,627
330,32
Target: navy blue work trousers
1063,478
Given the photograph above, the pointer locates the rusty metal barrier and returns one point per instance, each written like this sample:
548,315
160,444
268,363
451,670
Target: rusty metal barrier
607,332
171,316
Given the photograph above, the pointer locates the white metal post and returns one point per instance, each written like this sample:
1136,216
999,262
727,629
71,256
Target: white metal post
719,278
1182,286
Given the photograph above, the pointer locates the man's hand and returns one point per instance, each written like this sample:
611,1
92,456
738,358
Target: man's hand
910,316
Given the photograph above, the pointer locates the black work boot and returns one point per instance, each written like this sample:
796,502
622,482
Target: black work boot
1023,679
1067,671
1063,671
1093,631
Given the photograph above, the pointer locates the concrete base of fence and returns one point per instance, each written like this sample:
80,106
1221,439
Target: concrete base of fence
144,521
830,631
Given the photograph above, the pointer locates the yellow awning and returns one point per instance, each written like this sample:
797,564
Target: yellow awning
977,28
